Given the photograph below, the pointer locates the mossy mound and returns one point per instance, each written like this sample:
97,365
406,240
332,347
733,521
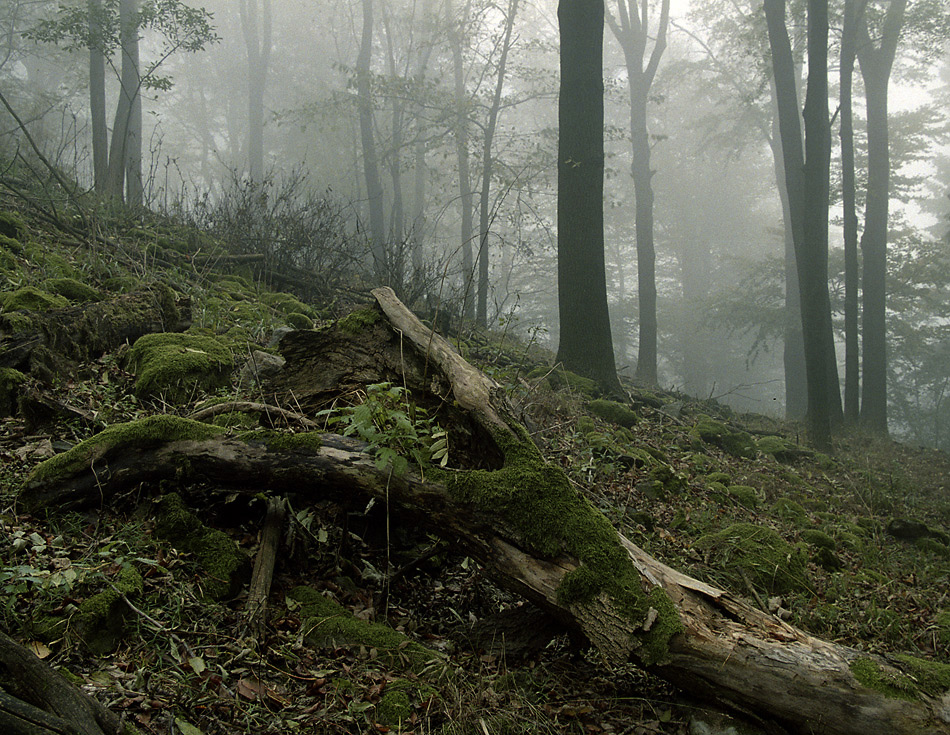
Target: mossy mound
10,382
30,298
758,553
225,567
943,627
177,366
613,412
661,482
789,510
76,291
326,623
8,263
102,617
286,304
782,449
745,495
121,284
736,443
12,226
299,321
818,539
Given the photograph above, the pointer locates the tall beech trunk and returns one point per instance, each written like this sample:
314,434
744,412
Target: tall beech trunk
123,127
257,43
97,98
632,30
525,523
876,58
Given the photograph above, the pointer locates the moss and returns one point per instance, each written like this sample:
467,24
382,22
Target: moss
326,623
357,321
223,564
662,481
102,617
299,321
10,246
548,517
121,284
16,322
12,226
943,627
932,546
720,477
789,510
818,539
8,263
175,366
282,441
780,448
144,433
744,495
759,553
916,677
395,705
736,443
575,382
585,425
10,382
613,412
31,298
287,304
76,291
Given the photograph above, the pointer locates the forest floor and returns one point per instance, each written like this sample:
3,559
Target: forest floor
706,490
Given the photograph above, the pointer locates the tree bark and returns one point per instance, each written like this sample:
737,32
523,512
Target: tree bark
704,639
585,344
257,42
97,98
120,152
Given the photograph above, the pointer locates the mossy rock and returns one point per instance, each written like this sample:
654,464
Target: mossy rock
224,566
177,366
76,291
286,304
759,553
395,706
11,382
932,546
720,477
8,263
326,623
30,298
613,412
745,495
661,482
585,425
12,226
121,284
299,321
818,539
736,443
781,448
789,510
102,617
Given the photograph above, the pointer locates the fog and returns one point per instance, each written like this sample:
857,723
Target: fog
720,242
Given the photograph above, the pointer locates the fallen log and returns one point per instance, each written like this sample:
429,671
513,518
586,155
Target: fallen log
533,533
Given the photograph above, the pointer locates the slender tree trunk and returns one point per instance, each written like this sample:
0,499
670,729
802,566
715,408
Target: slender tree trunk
853,11
133,149
97,98
632,31
481,315
374,187
876,60
257,41
466,199
119,147
585,345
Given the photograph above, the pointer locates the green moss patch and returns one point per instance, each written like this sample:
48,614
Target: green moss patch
917,676
75,291
326,623
818,539
356,321
615,413
10,383
12,226
745,495
30,298
548,517
287,304
176,366
782,449
736,443
147,432
789,510
299,321
758,553
225,567
102,618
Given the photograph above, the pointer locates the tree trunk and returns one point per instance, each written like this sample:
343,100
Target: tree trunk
585,345
632,31
97,98
374,187
119,147
876,59
524,522
481,314
257,41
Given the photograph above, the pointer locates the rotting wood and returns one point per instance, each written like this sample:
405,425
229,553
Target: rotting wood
255,614
272,412
726,650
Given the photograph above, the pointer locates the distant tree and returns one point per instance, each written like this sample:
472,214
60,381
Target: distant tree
105,27
807,178
585,345
632,30
256,26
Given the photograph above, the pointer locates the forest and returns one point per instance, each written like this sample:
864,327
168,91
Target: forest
462,366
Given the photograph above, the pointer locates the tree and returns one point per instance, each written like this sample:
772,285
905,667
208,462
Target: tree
125,150
585,346
807,179
632,30
257,41
876,59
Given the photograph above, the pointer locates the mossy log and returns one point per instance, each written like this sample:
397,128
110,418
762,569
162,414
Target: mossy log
36,700
44,344
534,534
